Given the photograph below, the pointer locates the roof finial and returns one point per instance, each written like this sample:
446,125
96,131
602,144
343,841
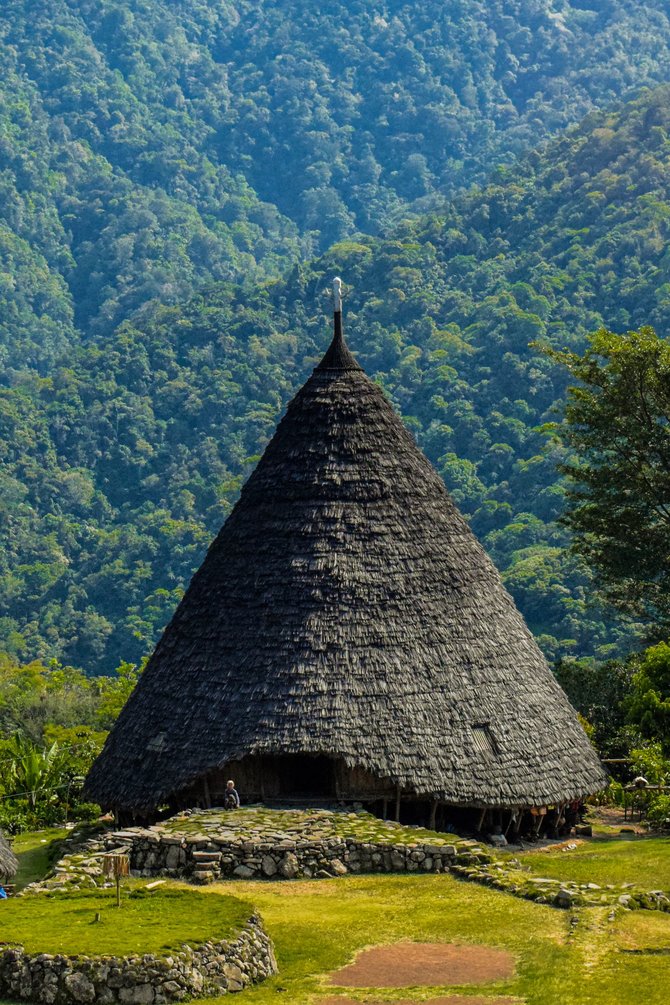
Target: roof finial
337,294
338,356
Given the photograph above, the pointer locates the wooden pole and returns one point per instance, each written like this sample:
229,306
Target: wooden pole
116,865
385,810
397,803
433,814
208,798
512,815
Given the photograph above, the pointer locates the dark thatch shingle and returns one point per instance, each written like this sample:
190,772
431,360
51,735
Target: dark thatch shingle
346,609
8,861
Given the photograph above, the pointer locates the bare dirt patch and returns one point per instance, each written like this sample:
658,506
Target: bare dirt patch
416,964
448,1000
614,817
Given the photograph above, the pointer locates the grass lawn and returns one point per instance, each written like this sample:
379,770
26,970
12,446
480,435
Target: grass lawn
36,851
147,922
319,926
644,861
643,930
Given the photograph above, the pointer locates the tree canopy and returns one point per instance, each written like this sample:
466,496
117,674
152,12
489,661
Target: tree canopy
150,146
617,421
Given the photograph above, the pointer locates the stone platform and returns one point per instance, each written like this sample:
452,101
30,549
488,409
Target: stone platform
208,970
257,843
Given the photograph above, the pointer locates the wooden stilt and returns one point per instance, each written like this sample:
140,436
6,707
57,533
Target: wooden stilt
208,798
560,817
397,803
433,814
512,815
385,809
482,817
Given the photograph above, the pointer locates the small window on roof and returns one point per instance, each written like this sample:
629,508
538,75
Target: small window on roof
157,743
484,738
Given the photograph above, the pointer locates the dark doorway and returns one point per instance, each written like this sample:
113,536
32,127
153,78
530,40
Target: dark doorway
304,775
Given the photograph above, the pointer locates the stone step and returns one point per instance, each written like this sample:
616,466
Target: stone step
206,856
204,877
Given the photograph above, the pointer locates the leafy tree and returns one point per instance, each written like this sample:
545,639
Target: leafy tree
600,691
617,421
42,767
648,704
114,693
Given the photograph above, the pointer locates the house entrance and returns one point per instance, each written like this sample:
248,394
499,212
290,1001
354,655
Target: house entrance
305,776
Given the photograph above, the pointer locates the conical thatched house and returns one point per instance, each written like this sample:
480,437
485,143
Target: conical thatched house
346,638
8,862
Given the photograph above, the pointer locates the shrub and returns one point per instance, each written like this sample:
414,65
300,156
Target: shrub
658,812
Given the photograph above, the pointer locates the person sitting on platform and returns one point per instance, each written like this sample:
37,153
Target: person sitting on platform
232,800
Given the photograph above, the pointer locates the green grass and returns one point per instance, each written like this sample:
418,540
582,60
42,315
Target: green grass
643,930
147,922
37,851
644,861
319,926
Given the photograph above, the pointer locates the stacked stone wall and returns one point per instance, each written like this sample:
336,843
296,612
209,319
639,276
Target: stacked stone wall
213,968
206,858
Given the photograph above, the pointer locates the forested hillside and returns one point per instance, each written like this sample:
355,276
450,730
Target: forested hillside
148,146
124,460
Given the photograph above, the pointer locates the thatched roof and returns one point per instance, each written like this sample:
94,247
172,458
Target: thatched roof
347,609
8,861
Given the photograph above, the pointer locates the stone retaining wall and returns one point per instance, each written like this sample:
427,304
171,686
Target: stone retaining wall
205,858
213,968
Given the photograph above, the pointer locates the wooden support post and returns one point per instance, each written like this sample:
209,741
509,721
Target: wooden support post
481,819
397,803
433,815
208,798
385,810
540,818
512,816
560,817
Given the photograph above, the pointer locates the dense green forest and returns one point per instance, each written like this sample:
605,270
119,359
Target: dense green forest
179,182
121,463
148,146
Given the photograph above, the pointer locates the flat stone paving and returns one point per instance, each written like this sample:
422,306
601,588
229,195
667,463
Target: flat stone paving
260,823
424,964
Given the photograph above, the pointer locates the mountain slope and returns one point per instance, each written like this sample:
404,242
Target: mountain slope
149,146
122,463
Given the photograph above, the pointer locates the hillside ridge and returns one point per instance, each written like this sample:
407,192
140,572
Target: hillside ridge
124,461
150,147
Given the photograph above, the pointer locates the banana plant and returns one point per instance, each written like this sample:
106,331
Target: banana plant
33,770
